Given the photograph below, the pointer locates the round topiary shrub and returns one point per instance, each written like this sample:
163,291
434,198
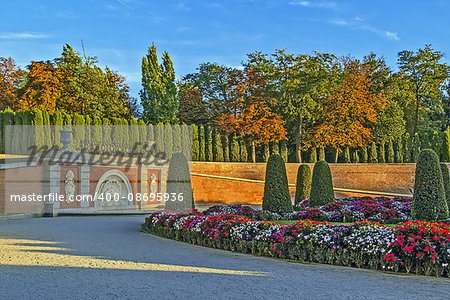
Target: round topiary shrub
322,185
303,188
429,201
276,189
179,185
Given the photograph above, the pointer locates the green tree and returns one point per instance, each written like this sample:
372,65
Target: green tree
398,147
312,155
364,156
202,144
276,190
226,148
235,150
427,76
243,149
390,152
446,179
373,153
321,155
381,153
446,146
195,143
209,143
159,97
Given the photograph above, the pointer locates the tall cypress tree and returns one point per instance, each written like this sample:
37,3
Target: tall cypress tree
202,144
321,154
364,156
195,143
347,155
177,139
226,148
415,148
407,145
243,149
390,152
398,149
274,149
235,153
373,155
159,92
381,153
265,153
217,146
445,150
312,155
208,144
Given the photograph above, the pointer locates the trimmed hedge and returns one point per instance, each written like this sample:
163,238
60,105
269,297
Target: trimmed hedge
303,186
276,190
322,185
429,200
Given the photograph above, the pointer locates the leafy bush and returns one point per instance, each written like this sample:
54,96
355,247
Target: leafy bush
429,201
179,184
276,189
303,188
322,185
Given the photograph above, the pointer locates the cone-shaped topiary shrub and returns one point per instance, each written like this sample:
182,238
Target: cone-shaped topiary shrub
321,185
429,202
303,188
276,189
179,185
446,178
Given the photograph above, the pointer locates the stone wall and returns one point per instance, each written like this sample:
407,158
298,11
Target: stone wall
392,178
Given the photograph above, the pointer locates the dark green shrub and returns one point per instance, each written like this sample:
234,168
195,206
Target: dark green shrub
429,201
446,179
276,190
179,184
235,154
373,155
303,186
321,185
381,153
217,146
390,152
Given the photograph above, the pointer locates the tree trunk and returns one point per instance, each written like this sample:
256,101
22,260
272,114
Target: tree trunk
336,155
253,152
298,141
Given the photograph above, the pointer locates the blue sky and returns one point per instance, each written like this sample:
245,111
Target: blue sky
118,32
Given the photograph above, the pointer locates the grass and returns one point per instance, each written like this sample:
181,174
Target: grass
290,222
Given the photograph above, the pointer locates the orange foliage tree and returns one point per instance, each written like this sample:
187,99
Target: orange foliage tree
247,112
349,111
43,87
10,77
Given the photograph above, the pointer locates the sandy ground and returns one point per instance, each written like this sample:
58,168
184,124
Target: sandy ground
108,257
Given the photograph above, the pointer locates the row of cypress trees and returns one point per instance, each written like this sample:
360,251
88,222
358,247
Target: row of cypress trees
404,150
209,144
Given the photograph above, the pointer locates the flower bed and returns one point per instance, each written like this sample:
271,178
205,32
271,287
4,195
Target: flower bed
413,247
383,210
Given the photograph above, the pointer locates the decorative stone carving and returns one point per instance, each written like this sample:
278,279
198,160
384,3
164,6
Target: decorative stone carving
113,190
153,184
69,187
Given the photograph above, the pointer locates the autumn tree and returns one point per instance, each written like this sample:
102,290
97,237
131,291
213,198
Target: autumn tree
10,76
349,111
298,83
247,111
43,87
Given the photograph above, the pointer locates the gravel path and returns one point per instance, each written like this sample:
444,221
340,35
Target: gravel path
109,258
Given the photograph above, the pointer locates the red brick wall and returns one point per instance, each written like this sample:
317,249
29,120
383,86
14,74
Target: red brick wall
394,178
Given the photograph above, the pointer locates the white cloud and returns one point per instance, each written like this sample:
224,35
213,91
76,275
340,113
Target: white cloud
391,35
22,35
318,4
